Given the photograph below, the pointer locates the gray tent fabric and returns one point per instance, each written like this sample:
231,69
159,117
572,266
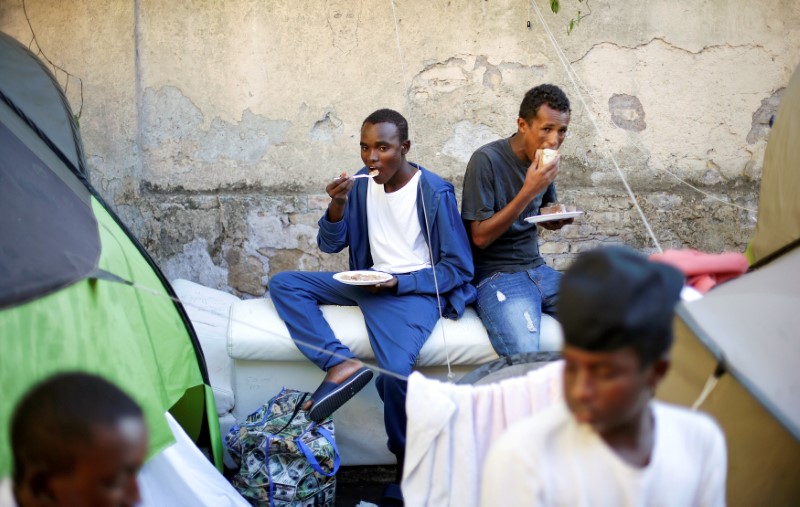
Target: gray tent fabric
736,349
778,223
27,86
763,454
50,237
752,324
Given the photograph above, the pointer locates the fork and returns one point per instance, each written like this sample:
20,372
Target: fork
355,176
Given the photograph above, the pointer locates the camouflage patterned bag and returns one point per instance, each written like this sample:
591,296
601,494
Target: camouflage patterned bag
284,459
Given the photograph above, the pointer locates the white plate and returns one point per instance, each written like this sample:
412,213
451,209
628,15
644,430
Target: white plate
375,277
553,216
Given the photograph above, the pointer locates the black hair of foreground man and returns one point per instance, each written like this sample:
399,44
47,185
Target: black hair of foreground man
617,298
77,440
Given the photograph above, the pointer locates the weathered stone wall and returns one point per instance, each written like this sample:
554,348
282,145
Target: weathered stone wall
212,127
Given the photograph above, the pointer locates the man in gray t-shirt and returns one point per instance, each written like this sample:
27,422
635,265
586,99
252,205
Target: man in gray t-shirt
505,182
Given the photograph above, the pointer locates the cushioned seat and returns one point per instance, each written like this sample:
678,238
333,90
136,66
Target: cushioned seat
266,359
250,357
257,333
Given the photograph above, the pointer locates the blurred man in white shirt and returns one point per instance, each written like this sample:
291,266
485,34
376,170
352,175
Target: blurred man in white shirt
609,443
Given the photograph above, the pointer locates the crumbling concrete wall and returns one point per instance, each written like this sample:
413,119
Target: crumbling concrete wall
212,127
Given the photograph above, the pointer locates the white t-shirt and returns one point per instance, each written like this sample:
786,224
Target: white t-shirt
552,460
7,493
395,236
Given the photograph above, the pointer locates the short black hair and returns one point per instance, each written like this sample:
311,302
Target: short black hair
389,116
58,415
615,297
548,94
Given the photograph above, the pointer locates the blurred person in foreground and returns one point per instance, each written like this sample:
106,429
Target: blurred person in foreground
610,443
77,440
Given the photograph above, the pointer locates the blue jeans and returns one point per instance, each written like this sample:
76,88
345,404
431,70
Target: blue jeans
511,305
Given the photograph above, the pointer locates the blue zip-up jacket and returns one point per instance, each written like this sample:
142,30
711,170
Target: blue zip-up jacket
452,255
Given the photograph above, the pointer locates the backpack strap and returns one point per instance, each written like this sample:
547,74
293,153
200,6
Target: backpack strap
312,460
271,482
270,436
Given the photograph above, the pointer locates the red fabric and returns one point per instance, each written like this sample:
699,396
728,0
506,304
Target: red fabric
703,270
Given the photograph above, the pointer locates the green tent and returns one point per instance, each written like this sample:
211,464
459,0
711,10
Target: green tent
77,291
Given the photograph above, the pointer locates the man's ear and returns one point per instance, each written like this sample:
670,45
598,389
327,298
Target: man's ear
405,146
660,368
522,125
36,485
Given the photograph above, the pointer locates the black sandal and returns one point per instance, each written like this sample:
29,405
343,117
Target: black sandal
329,396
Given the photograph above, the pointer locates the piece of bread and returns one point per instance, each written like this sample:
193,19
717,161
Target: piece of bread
548,155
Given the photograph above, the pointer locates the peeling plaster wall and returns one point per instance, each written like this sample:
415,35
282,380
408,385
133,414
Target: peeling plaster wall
212,127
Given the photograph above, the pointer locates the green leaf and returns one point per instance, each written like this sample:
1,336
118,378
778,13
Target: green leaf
554,6
571,26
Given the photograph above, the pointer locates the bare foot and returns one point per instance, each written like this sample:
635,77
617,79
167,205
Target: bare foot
338,374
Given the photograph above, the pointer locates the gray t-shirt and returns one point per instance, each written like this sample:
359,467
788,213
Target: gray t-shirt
494,177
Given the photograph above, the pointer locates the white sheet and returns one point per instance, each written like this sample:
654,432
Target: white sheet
181,475
6,493
450,429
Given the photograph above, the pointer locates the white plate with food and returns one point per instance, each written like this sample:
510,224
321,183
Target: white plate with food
553,216
364,277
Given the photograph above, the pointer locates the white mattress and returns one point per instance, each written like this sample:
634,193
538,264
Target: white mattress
256,333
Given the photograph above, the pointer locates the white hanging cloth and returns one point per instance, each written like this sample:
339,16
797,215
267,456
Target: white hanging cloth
181,475
451,427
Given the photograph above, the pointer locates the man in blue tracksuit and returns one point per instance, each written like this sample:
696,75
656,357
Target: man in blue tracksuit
404,221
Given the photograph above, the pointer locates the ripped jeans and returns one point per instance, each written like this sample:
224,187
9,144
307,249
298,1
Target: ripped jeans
511,305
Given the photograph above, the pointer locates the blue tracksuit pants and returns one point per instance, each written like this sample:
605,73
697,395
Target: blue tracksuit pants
397,326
